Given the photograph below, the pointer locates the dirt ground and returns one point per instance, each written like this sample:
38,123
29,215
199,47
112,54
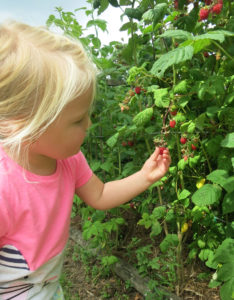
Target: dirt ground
81,281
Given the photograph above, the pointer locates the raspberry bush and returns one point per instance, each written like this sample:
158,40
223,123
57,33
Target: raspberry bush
171,85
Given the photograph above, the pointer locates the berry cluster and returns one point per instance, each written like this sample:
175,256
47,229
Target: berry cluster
128,143
188,146
214,8
131,93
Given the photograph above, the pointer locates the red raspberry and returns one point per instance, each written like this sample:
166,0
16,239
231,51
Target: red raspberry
137,89
183,140
161,150
193,147
172,123
124,144
216,9
185,157
208,2
206,54
203,14
130,143
173,113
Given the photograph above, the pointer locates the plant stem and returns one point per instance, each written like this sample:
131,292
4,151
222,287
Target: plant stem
119,158
206,156
180,268
161,202
147,145
179,156
223,50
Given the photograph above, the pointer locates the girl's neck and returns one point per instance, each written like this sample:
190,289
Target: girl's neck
37,164
42,165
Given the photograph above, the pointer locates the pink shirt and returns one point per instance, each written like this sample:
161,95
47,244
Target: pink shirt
35,210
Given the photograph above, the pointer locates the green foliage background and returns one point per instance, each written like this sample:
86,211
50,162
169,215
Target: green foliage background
184,68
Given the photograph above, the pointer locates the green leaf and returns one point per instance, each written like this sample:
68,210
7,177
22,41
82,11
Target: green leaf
171,240
96,42
126,26
143,117
206,195
159,212
175,56
229,184
103,6
228,203
181,87
182,164
218,176
109,260
134,13
208,255
107,166
112,140
228,142
99,23
114,3
214,35
227,290
156,14
184,194
161,97
156,229
177,34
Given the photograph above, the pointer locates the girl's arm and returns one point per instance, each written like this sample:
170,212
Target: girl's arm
114,193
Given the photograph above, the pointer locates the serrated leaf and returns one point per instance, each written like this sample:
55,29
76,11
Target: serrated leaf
100,23
107,166
171,240
143,117
218,176
161,97
181,87
228,142
193,161
175,56
206,195
177,34
208,255
103,6
184,194
155,229
215,35
125,26
228,203
182,164
159,212
227,290
112,140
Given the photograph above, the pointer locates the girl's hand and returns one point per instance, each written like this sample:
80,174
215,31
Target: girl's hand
156,165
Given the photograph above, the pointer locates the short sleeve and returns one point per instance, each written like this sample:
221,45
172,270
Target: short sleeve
4,215
83,170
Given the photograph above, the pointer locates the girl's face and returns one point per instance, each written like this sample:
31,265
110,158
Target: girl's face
64,137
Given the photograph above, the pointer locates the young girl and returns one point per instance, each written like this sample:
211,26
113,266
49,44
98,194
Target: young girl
47,85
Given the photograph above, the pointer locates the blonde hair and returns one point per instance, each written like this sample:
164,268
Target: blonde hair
40,73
